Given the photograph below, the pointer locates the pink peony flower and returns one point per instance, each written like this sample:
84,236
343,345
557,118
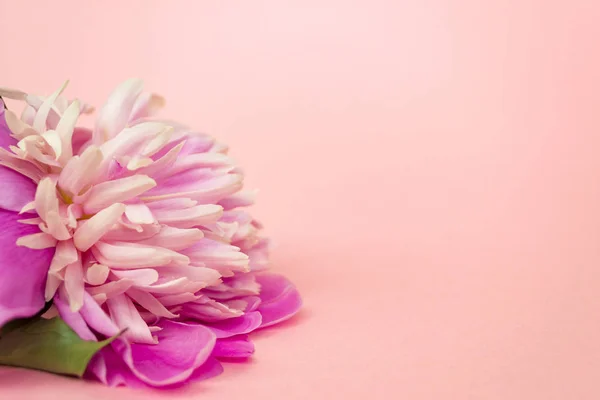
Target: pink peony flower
145,224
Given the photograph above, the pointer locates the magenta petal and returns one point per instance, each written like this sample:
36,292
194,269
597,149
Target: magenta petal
91,316
73,319
237,326
252,303
16,190
209,369
96,318
234,347
181,349
23,271
109,368
280,299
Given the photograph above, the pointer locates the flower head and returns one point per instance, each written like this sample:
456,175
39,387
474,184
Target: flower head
150,235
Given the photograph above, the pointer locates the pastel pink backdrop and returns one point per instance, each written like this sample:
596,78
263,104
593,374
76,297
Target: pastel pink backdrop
429,170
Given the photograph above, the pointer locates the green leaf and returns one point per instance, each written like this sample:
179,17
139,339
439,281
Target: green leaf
48,345
15,323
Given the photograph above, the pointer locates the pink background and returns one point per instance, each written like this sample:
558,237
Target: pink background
429,170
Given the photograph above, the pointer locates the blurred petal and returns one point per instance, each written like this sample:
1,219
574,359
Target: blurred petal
234,347
280,299
237,326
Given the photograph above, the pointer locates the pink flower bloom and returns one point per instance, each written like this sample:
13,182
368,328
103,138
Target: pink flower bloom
150,237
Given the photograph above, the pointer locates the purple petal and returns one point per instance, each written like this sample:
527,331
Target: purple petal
253,303
237,326
280,299
234,347
23,271
16,190
91,316
209,369
73,319
181,350
109,368
96,318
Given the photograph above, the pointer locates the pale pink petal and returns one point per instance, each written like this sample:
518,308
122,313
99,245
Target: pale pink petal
146,105
139,277
130,143
220,256
80,171
122,255
114,115
39,122
96,274
200,160
46,198
176,299
172,204
158,142
174,238
55,226
110,289
212,190
162,164
190,217
239,199
19,129
90,231
126,316
65,129
116,191
28,207
238,286
139,214
150,303
65,254
14,94
31,221
37,241
53,140
74,285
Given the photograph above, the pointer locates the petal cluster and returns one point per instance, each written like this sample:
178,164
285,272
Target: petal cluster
147,219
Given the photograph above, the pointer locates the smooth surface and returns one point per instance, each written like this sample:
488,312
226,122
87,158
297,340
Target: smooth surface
429,170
